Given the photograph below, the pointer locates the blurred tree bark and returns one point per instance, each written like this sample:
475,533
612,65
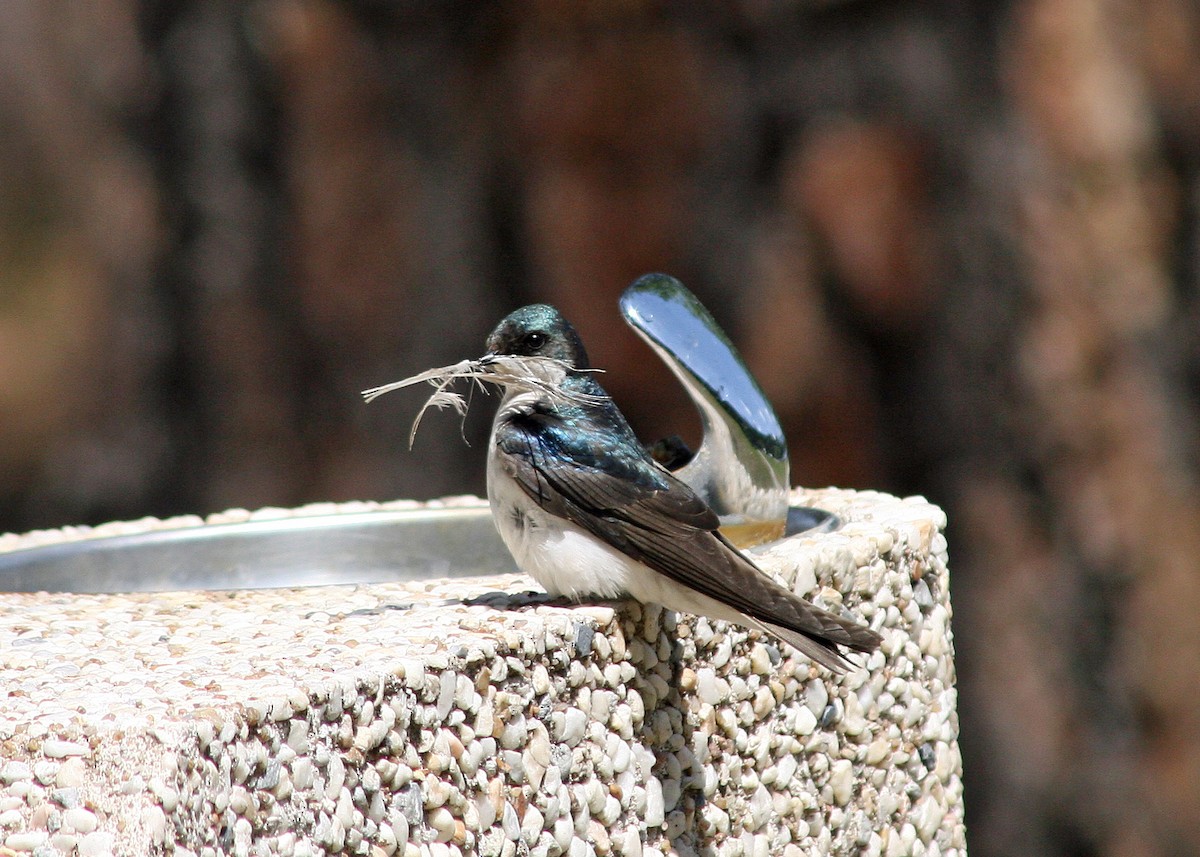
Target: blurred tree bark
958,243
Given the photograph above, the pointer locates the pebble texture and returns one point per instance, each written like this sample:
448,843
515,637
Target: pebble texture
467,717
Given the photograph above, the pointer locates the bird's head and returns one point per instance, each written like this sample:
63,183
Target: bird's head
538,330
532,350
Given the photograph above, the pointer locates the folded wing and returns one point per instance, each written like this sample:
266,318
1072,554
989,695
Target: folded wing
646,513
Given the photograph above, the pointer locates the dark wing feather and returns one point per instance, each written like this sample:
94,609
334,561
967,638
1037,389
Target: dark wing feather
650,515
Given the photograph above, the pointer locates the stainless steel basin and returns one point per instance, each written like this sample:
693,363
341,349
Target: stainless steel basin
313,550
309,550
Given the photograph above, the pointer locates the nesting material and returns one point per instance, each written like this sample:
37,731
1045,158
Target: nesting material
464,717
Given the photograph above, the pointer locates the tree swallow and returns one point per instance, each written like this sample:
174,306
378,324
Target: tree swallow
587,513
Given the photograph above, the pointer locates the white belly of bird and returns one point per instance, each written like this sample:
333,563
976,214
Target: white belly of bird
559,555
567,560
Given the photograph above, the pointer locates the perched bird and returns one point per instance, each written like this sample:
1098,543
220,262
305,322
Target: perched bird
587,512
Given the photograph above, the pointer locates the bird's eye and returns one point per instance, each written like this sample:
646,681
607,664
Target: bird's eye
534,341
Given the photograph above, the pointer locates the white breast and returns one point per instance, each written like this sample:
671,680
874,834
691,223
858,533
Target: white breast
563,558
567,560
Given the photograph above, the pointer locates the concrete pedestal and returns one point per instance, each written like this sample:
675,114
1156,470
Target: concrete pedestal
463,717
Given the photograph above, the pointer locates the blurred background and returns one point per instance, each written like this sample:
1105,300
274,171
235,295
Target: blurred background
958,243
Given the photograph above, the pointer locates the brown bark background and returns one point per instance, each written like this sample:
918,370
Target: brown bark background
959,244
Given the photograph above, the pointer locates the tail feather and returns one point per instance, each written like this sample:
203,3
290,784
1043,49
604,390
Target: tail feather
822,650
817,649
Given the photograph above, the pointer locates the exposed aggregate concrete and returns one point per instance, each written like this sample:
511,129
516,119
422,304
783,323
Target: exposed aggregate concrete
468,717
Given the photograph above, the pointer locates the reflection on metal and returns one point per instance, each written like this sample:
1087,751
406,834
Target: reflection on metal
805,519
313,550
741,468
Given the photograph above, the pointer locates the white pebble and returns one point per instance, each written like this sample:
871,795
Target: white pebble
610,812
806,722
541,680
785,769
723,653
243,832
655,810
764,702
672,789
854,721
302,773
761,846
442,822
760,659
344,809
514,734
841,781
67,843
621,756
564,833
622,720
760,807
706,686
574,725
80,820
532,824
133,785
594,794
336,773
96,844
71,773
44,771
58,749
629,843
398,821
510,822
26,841
877,751
816,697
154,822
927,817
15,772
445,702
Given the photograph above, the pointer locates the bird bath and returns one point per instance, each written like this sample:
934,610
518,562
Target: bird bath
373,679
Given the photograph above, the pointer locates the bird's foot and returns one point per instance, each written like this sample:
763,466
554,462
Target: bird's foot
512,600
